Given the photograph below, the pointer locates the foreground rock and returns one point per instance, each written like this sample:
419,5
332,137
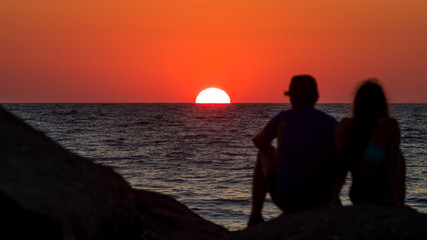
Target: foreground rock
47,192
86,200
165,218
359,222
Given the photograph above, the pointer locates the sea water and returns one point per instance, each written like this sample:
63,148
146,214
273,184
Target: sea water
201,155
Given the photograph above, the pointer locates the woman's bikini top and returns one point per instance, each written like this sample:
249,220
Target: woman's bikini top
373,154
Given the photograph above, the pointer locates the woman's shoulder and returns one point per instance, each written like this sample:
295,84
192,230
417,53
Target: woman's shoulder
387,123
387,128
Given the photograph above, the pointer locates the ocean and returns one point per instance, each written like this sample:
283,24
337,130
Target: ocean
202,155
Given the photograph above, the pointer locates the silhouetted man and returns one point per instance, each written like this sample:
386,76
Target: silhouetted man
299,174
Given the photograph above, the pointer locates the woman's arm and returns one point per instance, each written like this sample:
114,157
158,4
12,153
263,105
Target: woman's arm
396,167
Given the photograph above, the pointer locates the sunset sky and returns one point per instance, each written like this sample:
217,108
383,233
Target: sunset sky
170,50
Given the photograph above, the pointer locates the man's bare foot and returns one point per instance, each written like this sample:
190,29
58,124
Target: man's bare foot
257,218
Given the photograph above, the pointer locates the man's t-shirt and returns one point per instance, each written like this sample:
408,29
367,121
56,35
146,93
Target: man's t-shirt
306,154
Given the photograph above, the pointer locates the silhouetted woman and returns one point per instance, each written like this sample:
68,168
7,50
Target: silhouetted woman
367,145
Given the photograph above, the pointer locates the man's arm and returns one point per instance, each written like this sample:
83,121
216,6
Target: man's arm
261,140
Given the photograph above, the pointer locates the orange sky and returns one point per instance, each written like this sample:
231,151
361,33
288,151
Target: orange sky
170,50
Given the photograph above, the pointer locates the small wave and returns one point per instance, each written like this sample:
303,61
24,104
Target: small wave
75,130
416,201
123,125
217,142
177,155
115,142
142,123
196,136
72,112
233,201
421,200
204,161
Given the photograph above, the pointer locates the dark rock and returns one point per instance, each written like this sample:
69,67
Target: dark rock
165,218
19,223
89,201
358,222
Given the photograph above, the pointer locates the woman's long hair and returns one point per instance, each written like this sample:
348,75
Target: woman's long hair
369,105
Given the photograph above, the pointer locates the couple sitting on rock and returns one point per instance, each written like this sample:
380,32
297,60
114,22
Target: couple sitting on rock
314,153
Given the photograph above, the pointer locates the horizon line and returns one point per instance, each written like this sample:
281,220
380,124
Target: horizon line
190,103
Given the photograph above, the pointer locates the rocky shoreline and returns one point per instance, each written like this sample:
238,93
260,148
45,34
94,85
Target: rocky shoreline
48,192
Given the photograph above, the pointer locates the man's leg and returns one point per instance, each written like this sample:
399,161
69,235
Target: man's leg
266,162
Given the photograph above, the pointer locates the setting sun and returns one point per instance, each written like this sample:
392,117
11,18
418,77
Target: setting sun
213,95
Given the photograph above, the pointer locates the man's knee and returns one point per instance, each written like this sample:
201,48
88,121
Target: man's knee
268,159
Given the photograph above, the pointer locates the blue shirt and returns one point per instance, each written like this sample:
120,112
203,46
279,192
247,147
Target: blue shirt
306,152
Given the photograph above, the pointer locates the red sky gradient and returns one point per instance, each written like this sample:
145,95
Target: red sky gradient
170,50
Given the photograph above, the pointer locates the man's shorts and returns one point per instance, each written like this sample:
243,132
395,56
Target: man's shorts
291,202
